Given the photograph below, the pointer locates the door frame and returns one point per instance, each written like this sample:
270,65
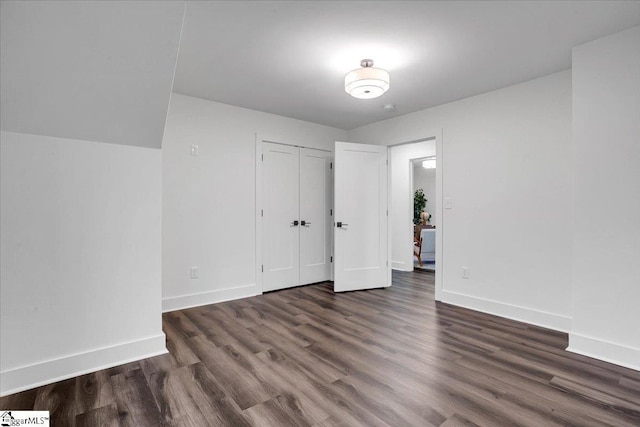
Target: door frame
260,139
437,136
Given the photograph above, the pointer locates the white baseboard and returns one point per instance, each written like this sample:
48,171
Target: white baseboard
522,314
401,266
50,371
210,297
618,354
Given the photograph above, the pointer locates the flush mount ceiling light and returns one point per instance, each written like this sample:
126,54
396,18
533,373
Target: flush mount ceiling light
429,163
366,82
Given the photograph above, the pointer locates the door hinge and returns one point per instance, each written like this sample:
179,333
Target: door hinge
262,156
387,162
331,259
387,212
331,165
330,212
263,268
261,212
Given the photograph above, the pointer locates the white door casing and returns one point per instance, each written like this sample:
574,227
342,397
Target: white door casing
361,215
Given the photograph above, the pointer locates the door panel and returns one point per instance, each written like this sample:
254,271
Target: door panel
360,235
281,249
315,207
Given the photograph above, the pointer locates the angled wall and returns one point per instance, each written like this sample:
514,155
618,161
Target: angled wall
96,71
85,89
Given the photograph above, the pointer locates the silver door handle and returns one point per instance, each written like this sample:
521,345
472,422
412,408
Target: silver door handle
305,223
341,224
294,224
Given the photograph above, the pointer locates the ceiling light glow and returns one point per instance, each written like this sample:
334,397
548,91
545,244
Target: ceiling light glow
429,163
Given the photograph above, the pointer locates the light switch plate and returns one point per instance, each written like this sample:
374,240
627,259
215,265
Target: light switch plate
195,151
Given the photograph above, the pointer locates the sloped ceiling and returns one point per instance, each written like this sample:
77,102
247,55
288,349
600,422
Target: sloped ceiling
103,70
97,71
290,57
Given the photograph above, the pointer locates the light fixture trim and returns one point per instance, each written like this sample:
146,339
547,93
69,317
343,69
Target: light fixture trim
367,82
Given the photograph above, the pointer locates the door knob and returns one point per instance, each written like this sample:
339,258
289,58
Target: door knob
294,223
305,223
341,224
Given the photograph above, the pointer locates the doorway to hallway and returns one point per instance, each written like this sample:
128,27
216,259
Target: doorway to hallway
416,231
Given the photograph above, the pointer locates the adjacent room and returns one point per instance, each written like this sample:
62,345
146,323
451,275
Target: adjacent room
424,193
314,213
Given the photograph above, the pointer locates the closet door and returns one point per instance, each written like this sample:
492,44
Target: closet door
315,216
280,221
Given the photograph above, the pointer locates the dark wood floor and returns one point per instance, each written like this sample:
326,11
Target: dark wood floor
307,357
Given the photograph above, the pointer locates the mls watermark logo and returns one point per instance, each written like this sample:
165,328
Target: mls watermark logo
24,418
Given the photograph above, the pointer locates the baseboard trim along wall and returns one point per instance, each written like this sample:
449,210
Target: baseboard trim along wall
522,314
210,297
618,354
400,266
50,371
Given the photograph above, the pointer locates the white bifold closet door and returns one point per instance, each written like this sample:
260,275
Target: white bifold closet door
296,216
315,216
280,216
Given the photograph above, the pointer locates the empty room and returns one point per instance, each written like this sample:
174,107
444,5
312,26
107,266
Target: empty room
320,213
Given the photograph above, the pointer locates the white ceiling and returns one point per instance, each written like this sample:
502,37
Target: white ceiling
290,58
102,71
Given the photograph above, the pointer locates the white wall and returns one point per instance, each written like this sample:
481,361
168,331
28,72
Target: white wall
80,260
401,211
606,241
209,200
426,179
509,223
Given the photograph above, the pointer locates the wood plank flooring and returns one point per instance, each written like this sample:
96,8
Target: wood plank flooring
386,357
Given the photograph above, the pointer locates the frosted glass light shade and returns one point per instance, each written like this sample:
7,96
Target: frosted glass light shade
367,82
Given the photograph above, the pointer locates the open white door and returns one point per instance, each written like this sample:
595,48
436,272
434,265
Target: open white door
361,213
